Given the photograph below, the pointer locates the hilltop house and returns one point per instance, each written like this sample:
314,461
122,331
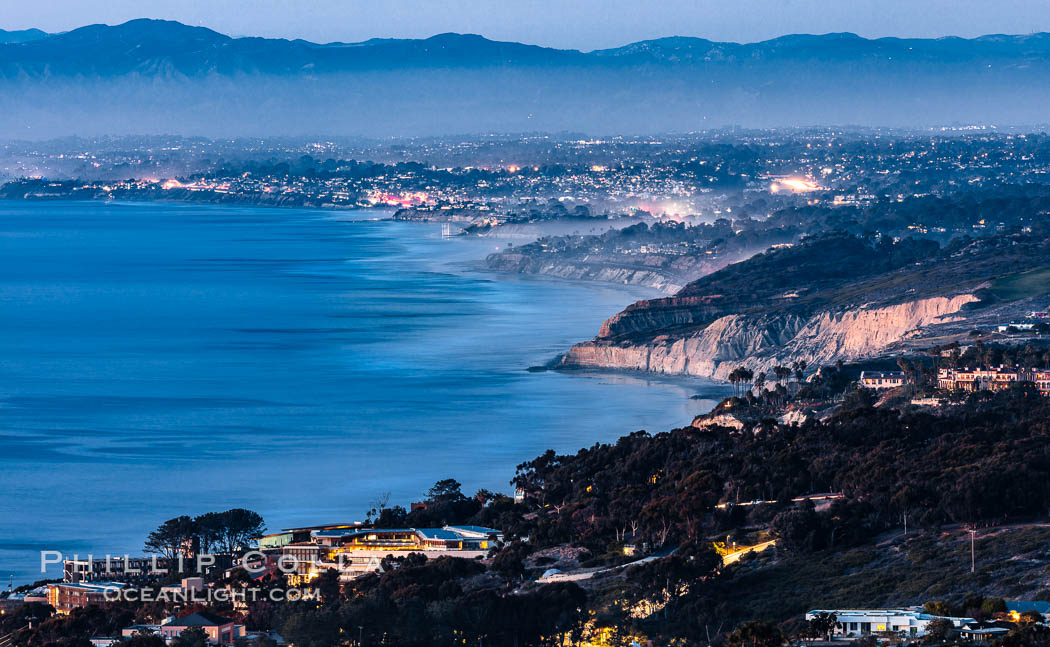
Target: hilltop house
882,379
992,379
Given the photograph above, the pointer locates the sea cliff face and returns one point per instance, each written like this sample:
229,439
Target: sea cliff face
588,271
758,342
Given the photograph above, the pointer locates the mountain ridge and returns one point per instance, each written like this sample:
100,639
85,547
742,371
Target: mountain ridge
197,50
149,76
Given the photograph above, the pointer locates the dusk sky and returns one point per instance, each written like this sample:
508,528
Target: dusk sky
580,24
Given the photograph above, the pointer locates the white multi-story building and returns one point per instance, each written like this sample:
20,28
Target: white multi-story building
854,623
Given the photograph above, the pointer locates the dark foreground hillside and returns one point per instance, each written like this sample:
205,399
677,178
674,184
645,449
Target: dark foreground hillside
637,527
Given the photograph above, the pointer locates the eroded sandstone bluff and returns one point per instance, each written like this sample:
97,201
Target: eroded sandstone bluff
757,341
836,297
582,270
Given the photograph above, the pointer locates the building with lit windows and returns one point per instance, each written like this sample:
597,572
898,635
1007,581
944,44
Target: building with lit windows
992,379
854,623
356,551
881,379
66,596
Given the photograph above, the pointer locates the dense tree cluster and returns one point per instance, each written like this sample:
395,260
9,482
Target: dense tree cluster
984,462
219,531
445,601
987,462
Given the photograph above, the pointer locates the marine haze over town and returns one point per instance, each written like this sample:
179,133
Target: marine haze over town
346,344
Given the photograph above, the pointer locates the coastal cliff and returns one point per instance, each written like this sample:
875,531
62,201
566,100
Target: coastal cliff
586,271
762,342
836,297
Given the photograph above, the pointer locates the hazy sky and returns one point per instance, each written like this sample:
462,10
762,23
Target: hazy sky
581,24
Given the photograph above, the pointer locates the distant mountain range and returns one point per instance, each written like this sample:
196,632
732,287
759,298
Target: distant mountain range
157,76
21,36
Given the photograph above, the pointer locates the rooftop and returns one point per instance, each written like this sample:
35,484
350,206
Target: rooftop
201,619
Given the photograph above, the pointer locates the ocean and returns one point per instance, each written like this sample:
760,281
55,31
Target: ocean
159,360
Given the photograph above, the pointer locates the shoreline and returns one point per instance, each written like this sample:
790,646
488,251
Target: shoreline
556,412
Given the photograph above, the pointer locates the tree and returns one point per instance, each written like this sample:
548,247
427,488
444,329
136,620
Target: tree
937,608
938,631
192,637
823,624
445,491
143,639
782,373
1030,617
662,583
327,585
799,530
740,375
172,537
510,560
239,528
756,633
378,505
209,530
800,369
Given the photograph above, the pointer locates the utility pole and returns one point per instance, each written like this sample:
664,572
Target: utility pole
973,561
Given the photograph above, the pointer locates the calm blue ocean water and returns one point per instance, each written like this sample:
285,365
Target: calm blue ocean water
158,360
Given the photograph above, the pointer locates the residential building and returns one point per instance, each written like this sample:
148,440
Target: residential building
1022,326
220,630
982,632
854,623
108,569
1041,379
66,596
882,379
992,379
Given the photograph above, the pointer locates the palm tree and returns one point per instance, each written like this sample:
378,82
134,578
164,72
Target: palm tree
747,375
760,381
739,375
782,373
735,378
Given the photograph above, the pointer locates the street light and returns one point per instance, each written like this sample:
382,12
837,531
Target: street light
973,562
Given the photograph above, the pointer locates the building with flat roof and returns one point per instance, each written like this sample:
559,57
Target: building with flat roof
409,539
108,569
66,596
356,551
854,623
882,379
